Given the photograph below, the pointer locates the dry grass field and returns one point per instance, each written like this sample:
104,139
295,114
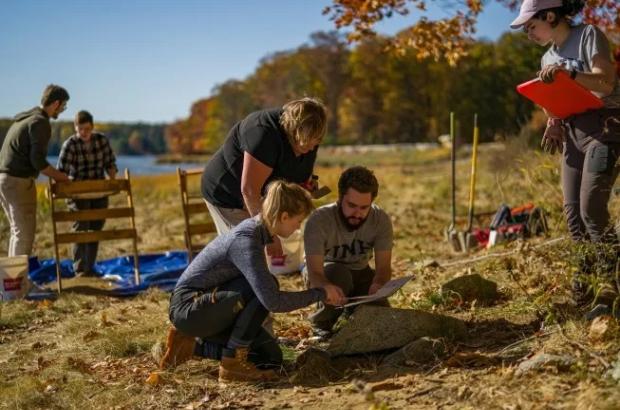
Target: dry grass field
86,350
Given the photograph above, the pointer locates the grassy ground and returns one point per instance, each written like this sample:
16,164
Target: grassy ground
87,351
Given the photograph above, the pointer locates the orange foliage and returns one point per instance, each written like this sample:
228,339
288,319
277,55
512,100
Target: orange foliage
446,38
188,136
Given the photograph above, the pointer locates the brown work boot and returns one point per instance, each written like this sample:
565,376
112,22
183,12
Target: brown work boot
239,369
179,348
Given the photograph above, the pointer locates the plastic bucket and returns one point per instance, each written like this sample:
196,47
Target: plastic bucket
293,258
14,282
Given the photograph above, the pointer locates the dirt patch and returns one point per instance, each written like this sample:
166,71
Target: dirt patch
314,368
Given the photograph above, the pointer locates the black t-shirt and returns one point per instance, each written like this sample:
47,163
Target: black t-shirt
261,135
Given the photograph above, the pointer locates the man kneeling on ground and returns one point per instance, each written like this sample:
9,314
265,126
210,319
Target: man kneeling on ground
339,241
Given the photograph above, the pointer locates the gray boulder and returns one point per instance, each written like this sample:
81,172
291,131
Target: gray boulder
470,288
376,328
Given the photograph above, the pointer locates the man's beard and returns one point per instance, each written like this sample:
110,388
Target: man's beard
351,227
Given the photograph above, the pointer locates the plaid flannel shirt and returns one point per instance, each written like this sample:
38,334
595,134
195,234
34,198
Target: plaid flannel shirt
82,160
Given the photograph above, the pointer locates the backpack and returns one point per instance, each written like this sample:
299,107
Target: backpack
520,222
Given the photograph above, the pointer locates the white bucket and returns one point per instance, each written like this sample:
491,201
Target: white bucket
293,258
14,282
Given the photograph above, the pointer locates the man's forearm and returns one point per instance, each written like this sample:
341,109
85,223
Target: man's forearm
55,174
252,203
382,276
317,279
597,82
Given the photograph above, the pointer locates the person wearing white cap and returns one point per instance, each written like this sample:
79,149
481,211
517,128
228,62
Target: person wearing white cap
589,142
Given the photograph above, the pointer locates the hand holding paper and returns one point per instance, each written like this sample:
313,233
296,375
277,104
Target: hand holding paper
387,290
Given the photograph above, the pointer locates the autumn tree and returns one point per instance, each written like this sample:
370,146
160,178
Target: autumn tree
327,58
448,38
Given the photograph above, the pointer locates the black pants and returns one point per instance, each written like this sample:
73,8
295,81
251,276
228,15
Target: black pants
85,254
588,173
352,282
229,314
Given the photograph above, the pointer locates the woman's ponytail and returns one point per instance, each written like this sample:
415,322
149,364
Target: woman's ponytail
283,197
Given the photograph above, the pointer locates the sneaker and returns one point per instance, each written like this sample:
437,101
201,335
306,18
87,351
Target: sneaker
322,335
235,367
179,348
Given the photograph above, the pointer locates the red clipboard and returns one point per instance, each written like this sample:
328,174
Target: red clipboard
562,98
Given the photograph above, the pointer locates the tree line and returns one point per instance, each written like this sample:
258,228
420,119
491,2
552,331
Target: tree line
125,138
372,95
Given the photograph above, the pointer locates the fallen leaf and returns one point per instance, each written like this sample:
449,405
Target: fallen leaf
45,304
154,379
50,389
104,319
384,386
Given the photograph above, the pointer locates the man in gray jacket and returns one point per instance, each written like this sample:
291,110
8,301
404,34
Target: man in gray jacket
22,158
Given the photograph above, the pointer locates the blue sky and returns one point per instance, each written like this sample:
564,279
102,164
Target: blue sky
150,59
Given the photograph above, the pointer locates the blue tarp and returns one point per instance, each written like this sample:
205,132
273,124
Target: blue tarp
161,270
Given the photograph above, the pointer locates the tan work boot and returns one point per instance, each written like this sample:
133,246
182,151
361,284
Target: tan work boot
239,369
179,348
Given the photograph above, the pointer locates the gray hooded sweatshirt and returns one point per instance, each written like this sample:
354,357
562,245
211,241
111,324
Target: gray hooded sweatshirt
24,149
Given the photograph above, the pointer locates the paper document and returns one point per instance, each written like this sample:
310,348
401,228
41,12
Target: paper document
387,290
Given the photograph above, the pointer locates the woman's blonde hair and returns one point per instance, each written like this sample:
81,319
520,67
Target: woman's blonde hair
304,120
284,197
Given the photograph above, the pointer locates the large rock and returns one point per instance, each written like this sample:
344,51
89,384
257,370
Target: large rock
419,352
376,328
472,287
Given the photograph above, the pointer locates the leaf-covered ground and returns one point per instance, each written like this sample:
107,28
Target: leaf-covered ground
88,350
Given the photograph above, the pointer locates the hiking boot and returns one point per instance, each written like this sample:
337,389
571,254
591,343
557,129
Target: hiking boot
235,367
179,348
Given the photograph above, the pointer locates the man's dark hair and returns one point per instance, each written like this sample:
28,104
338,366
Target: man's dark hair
83,117
359,178
53,93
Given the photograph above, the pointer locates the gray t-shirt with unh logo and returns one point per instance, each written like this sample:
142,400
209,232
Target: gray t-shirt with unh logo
583,43
325,234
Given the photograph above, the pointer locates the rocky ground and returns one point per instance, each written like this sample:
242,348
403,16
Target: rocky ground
510,338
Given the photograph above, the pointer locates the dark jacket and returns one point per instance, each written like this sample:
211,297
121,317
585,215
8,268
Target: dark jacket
24,149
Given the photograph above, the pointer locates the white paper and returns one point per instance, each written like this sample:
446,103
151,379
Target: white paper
387,290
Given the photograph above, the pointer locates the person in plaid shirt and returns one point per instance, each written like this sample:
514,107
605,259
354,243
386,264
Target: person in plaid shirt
86,155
